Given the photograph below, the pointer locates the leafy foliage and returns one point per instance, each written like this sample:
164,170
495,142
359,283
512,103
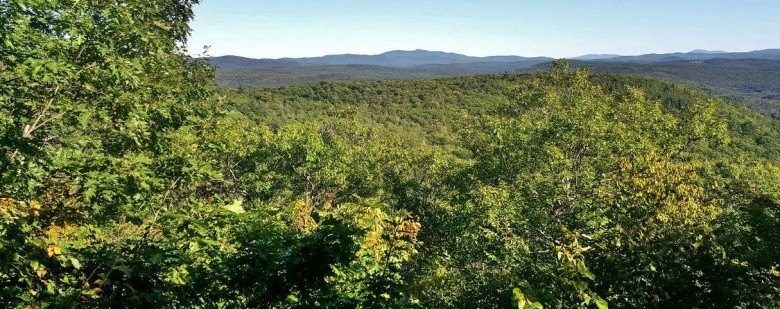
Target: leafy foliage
129,180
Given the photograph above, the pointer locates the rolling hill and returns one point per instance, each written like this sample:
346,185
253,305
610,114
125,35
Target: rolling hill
396,58
748,78
419,57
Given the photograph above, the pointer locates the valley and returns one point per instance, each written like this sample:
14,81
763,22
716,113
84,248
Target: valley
750,79
135,174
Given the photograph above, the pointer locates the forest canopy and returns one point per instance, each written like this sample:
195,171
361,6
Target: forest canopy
129,179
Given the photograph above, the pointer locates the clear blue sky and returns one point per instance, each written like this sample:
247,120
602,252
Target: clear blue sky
557,28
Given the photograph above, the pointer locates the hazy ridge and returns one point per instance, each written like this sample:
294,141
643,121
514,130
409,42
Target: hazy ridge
748,78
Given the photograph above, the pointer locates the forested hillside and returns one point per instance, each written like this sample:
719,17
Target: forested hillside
128,179
754,83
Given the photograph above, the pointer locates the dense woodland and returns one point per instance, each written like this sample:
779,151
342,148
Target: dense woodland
128,179
754,83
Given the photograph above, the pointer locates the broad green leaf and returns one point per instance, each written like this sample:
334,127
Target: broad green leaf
236,206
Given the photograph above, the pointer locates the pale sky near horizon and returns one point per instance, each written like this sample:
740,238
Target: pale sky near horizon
555,28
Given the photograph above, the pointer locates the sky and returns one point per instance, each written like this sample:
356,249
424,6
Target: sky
553,28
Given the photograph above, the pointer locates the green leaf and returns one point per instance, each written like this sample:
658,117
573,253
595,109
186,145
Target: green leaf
583,270
601,303
236,206
75,262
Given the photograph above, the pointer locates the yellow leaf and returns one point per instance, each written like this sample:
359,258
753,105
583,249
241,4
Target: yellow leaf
53,250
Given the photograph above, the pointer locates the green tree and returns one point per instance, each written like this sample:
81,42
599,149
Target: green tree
93,95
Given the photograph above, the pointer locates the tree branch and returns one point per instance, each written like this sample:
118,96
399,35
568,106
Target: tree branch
30,128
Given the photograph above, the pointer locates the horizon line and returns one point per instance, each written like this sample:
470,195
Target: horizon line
456,53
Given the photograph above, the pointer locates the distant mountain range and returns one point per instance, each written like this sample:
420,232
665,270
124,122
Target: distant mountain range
704,51
416,58
396,58
748,78
766,54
